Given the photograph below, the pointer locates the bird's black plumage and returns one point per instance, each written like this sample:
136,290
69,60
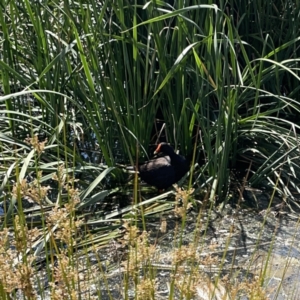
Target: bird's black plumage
164,171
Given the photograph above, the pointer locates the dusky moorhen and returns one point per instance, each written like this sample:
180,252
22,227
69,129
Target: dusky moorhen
164,171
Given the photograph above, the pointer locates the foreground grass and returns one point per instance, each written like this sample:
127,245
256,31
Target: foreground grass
183,253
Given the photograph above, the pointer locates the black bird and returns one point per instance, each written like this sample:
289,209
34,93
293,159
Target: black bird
164,171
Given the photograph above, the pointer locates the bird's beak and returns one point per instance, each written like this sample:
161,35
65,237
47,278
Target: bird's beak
157,150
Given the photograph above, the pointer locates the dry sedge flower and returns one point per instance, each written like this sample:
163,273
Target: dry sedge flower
210,260
188,283
4,238
140,252
60,176
26,273
145,251
182,196
73,196
185,253
34,142
32,191
146,289
64,218
16,271
67,281
64,268
23,237
253,289
21,233
67,225
64,179
130,235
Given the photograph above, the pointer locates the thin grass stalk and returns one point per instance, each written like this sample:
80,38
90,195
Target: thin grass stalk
7,57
